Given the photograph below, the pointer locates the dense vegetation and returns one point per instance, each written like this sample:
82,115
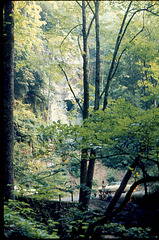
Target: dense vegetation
74,106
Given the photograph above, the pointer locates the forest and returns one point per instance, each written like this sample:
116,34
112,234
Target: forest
80,93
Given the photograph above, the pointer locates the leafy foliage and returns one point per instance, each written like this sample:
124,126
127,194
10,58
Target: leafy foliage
121,231
19,222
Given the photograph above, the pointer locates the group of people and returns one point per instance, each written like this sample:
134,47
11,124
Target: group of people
103,195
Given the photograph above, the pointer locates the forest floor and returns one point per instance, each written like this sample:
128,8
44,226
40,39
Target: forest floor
140,212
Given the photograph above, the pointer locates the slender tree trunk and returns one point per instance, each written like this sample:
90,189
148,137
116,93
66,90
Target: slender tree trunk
87,174
93,152
8,99
111,70
85,64
97,79
84,152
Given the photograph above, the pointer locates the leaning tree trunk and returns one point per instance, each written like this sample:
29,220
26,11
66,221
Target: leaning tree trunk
8,99
120,190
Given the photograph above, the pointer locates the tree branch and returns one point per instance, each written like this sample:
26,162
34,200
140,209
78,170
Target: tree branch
130,19
120,35
89,28
90,25
118,61
151,160
156,14
91,8
77,101
78,4
69,33
118,41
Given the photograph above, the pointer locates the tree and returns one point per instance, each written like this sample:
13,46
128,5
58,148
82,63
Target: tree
141,130
29,53
97,79
84,152
121,45
115,61
8,98
93,152
127,19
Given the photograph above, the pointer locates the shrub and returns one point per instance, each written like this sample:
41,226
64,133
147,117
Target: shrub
19,221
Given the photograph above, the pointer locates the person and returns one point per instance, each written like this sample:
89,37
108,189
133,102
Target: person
100,194
103,185
104,196
109,197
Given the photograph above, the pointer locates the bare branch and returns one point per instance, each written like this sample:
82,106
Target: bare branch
69,33
90,7
77,101
139,10
156,14
90,25
78,4
121,34
118,41
123,52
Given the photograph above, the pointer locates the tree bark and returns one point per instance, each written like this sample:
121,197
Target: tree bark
85,64
84,152
87,173
90,174
93,152
97,79
8,100
83,177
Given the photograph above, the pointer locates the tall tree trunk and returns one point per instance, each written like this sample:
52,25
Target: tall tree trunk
97,79
85,64
93,152
8,99
84,153
87,174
